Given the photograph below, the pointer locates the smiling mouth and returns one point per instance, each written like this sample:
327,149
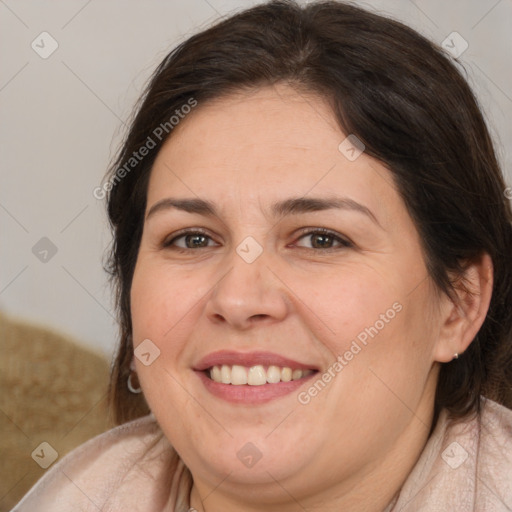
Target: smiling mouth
257,375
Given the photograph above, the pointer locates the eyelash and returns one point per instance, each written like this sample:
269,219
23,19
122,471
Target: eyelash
181,234
344,242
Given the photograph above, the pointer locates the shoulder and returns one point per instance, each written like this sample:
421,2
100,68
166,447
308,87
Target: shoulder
496,422
466,465
494,468
91,476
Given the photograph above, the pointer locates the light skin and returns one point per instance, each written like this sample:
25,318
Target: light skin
353,445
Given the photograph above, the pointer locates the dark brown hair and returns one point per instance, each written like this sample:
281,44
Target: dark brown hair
404,99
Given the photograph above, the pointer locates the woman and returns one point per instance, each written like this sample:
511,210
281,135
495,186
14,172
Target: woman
311,253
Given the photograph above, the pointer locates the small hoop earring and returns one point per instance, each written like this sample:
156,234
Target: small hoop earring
456,356
131,388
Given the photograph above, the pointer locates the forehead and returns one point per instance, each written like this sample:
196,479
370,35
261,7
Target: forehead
262,144
273,118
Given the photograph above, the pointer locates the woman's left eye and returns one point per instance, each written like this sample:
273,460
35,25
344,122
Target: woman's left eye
323,239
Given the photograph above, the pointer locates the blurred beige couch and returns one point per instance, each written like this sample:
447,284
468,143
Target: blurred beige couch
51,391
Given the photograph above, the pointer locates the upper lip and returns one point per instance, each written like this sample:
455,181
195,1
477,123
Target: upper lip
229,357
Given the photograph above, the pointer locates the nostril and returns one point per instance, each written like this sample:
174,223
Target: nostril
257,317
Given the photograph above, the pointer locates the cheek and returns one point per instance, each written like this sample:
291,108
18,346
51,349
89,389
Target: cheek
163,300
159,307
348,302
382,331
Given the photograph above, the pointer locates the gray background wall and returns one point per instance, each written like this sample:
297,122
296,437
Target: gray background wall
61,119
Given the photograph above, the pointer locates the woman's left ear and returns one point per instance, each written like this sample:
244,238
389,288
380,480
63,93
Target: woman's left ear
461,320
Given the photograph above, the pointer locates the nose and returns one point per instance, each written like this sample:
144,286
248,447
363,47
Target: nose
248,294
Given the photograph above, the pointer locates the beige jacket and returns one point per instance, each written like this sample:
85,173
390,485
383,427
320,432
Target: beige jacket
464,467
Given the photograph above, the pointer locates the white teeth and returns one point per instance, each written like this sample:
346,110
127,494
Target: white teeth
238,375
225,374
216,374
296,374
286,374
255,375
273,374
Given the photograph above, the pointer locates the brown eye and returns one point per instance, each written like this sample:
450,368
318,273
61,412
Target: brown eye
190,240
323,239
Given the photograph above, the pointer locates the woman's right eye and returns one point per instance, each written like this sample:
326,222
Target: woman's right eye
190,240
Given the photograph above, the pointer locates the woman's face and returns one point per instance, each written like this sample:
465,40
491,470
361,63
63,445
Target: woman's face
269,247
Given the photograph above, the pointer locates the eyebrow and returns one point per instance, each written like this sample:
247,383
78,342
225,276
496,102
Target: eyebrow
292,206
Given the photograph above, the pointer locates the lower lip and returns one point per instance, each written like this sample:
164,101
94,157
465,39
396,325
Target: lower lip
246,394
